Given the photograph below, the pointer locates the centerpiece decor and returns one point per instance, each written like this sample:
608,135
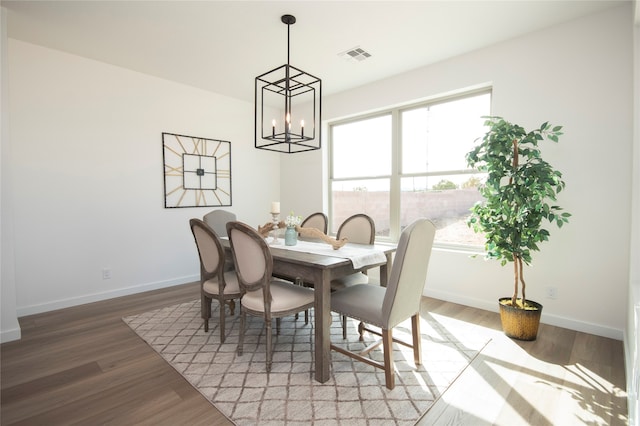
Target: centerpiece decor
291,234
275,215
266,229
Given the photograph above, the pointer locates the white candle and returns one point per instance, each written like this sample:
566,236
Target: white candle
275,207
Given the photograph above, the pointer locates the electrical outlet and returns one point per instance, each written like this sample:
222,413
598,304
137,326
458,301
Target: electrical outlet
552,292
106,274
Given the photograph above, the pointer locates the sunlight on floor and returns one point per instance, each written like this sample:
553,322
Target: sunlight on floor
507,385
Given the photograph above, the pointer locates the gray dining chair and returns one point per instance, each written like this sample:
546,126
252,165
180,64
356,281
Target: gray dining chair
215,282
217,220
359,229
262,295
386,307
317,220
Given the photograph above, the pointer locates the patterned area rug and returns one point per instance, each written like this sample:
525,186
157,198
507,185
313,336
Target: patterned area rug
355,394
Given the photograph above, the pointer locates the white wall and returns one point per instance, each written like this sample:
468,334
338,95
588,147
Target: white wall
9,326
578,75
87,174
632,335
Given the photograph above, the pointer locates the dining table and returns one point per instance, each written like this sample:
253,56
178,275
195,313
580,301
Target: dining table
320,264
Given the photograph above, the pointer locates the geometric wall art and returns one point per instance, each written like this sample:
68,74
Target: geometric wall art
197,171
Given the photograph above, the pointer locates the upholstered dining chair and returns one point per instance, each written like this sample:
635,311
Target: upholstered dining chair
262,295
317,220
217,220
359,229
386,307
215,282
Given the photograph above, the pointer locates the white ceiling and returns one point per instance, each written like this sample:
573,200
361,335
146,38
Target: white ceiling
223,45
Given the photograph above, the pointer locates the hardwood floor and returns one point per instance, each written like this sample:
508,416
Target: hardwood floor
564,377
83,365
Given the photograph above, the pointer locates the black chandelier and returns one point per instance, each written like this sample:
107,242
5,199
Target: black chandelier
288,107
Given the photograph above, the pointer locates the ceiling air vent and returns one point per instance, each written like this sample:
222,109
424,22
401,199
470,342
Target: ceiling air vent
356,54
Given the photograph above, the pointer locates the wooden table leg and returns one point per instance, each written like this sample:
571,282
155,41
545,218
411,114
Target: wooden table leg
385,270
322,311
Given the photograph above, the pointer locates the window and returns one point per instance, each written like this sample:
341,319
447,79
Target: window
409,162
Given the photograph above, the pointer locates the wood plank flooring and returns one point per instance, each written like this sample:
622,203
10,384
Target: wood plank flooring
83,365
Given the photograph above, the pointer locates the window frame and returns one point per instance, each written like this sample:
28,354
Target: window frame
396,176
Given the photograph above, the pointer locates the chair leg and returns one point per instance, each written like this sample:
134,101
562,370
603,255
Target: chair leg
222,321
298,281
269,339
243,319
344,326
232,306
387,344
361,330
205,311
417,341
277,326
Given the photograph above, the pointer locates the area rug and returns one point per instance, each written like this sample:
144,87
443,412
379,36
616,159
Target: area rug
244,392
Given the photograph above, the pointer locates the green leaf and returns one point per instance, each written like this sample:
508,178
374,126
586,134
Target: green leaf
517,199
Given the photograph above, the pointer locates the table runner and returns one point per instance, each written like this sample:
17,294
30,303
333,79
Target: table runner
359,255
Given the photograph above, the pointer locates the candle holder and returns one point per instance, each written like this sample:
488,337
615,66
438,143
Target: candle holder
274,232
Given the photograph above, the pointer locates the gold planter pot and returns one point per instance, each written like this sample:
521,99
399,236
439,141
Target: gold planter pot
520,324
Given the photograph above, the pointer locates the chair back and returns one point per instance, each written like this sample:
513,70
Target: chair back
254,264
210,250
317,220
359,229
409,272
217,220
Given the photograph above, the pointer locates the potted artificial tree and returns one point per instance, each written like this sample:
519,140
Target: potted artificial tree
517,194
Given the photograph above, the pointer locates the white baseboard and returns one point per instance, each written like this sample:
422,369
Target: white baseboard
97,297
10,335
558,321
